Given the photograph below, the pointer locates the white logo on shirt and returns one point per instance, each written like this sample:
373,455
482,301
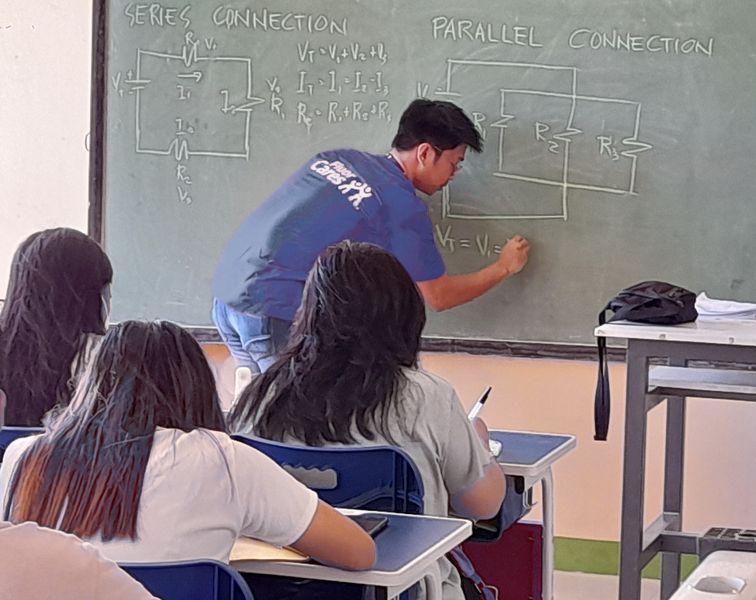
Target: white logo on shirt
349,184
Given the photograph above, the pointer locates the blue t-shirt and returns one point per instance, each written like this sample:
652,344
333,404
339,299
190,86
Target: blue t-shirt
337,195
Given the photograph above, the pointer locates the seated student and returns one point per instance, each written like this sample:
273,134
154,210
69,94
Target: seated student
140,465
73,570
58,295
36,562
350,375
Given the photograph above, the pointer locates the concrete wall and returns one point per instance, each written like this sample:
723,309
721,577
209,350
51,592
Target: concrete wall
44,119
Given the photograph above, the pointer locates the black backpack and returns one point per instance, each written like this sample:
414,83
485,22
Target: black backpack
654,302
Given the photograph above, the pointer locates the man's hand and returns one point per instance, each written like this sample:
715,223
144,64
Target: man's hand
514,255
449,291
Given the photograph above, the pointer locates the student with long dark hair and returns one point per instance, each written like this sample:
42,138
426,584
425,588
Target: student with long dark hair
140,465
57,299
350,375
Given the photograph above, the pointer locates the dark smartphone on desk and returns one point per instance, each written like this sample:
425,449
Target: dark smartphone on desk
372,524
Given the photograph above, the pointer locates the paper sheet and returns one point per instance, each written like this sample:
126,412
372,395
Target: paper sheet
251,549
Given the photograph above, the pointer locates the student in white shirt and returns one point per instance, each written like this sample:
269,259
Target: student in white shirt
140,465
350,375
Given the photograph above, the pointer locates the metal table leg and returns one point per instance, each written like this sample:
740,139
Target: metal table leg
633,476
674,454
547,496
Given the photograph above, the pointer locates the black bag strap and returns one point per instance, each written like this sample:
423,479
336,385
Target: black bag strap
602,400
478,589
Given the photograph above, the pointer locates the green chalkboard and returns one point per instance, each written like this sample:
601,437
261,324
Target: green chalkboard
620,138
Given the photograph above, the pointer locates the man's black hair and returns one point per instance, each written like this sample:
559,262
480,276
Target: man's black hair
441,124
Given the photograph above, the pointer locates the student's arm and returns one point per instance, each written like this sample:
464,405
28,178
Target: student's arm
12,455
72,568
278,509
449,291
475,482
335,540
483,498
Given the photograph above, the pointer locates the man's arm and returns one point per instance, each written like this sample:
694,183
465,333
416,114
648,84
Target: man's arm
449,291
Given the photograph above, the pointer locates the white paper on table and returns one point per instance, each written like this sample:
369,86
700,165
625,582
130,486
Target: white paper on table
726,309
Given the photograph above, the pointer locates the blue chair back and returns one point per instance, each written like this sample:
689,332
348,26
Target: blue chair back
367,477
9,434
190,580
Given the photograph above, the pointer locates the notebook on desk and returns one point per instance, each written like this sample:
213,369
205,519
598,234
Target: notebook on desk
247,548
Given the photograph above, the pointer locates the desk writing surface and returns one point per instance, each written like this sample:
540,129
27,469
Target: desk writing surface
393,551
619,138
528,453
734,332
407,542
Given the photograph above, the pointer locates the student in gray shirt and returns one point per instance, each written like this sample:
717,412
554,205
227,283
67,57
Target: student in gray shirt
350,375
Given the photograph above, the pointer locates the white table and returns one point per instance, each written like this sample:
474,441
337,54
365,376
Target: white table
530,455
725,343
720,575
408,550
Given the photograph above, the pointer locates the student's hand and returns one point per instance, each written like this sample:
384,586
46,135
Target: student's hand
335,540
514,255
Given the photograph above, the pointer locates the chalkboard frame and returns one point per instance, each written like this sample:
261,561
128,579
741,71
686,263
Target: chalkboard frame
96,215
97,120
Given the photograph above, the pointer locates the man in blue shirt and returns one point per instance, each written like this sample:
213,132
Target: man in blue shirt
348,194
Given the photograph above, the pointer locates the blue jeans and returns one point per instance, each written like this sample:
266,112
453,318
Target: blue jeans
253,340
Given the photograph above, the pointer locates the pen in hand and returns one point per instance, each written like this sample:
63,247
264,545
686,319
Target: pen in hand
478,406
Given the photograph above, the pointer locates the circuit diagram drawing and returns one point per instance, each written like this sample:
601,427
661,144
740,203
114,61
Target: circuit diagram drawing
191,83
542,137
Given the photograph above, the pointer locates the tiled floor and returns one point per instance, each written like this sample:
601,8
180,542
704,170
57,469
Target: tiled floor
584,586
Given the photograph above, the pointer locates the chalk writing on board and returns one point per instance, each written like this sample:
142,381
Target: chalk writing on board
214,97
267,20
545,134
157,15
181,75
220,87
336,53
481,242
212,91
356,82
615,40
450,28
